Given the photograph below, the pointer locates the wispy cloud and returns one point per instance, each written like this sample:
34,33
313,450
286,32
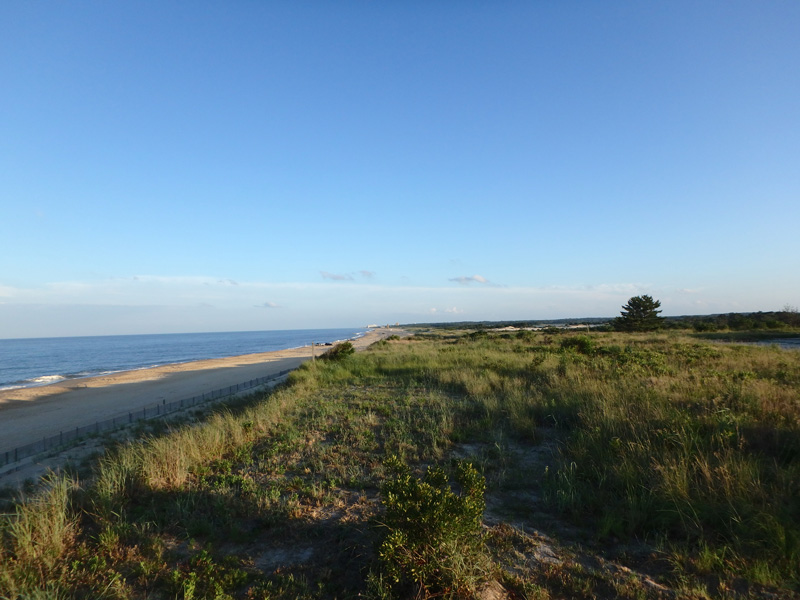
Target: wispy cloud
336,276
367,274
173,280
184,303
467,279
618,288
452,311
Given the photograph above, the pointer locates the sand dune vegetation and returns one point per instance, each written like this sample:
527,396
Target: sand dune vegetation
449,464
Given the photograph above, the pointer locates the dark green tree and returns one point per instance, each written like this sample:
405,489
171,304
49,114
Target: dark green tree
639,314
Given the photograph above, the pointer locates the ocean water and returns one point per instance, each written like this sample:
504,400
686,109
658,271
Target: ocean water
40,361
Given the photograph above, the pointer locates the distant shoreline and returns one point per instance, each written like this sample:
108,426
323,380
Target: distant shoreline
28,414
45,361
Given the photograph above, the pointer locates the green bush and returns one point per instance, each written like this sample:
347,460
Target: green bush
339,351
581,343
434,534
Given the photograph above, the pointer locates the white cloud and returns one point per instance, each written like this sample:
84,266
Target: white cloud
451,311
174,280
367,274
467,279
162,304
631,289
336,276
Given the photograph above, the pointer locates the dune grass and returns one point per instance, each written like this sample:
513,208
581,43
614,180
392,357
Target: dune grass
687,447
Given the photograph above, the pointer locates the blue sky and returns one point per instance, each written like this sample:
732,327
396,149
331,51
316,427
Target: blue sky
215,166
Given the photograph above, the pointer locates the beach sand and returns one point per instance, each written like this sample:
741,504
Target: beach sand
30,414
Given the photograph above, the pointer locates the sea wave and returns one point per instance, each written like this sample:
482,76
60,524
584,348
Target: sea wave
51,379
47,379
3,388
33,382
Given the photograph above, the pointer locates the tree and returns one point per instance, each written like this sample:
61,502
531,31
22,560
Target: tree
639,314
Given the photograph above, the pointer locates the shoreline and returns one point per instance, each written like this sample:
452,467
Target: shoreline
49,378
32,413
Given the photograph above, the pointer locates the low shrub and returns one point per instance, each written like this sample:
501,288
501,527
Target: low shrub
434,534
339,351
581,343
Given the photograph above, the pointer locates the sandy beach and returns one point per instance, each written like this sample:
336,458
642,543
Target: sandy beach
30,414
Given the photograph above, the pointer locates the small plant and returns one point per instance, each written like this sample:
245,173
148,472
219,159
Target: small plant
204,578
434,534
339,351
581,343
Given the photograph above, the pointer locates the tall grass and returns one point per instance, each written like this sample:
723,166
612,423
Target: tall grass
666,437
165,463
37,537
690,444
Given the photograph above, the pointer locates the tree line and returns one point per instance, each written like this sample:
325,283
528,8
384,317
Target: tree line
641,313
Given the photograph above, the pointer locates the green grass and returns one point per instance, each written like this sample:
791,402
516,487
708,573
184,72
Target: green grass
672,456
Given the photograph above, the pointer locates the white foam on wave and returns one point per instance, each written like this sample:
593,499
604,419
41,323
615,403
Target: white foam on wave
33,382
3,388
47,379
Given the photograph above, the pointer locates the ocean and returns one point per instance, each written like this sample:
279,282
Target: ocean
41,361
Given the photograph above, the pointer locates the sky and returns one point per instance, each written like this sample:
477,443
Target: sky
230,166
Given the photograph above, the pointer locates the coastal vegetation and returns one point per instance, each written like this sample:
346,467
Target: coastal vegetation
466,463
639,314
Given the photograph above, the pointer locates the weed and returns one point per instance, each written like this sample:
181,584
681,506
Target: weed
433,537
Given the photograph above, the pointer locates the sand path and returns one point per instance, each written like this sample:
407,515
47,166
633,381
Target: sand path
30,414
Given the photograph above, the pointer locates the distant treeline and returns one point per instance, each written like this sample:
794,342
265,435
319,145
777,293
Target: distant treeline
593,321
738,321
730,321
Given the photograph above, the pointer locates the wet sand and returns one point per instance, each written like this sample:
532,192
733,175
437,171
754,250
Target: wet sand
30,414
